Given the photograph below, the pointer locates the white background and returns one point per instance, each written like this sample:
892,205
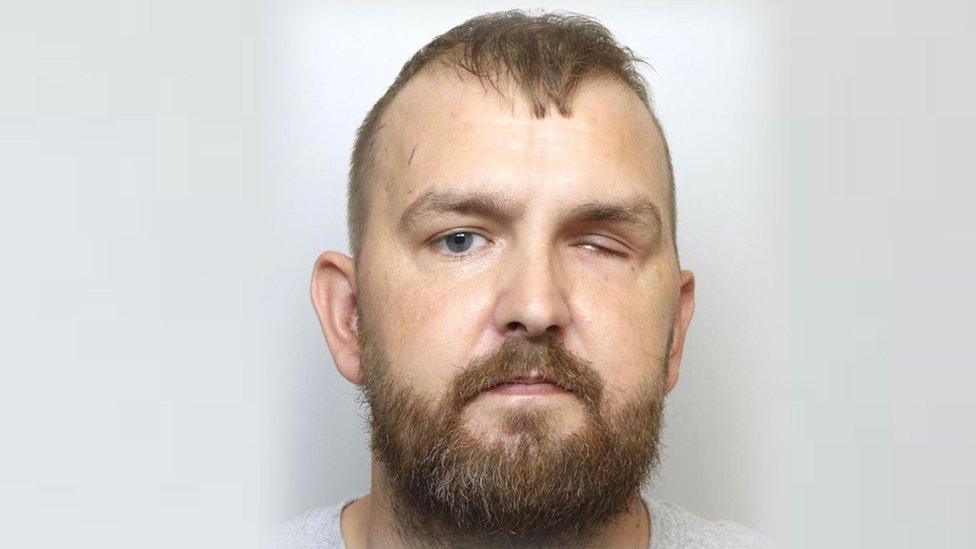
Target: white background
170,170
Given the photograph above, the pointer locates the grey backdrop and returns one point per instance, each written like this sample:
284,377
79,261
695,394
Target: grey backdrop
171,170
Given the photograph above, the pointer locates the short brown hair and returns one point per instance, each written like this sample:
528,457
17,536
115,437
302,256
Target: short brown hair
545,56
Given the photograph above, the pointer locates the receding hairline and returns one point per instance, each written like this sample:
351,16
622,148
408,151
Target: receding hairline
509,90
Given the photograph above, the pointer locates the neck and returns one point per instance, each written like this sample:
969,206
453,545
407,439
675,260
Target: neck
370,522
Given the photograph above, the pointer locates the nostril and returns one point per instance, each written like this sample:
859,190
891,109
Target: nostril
515,326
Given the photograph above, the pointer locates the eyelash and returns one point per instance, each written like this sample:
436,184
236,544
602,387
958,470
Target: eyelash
432,243
605,251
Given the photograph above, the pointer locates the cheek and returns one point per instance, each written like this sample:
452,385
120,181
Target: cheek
431,327
625,329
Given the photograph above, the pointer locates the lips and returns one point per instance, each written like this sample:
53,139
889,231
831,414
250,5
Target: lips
526,385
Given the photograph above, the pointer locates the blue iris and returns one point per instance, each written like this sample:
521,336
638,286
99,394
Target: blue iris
459,242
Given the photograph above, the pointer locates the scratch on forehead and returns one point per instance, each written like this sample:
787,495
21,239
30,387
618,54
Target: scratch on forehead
412,152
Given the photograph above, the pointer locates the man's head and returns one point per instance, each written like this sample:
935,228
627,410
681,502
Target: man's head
515,312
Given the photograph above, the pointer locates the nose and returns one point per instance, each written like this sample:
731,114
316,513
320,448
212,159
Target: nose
531,299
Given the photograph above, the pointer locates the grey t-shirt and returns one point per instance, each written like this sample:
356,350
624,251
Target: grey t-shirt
672,527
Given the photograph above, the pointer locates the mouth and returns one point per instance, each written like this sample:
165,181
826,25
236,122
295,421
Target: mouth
532,384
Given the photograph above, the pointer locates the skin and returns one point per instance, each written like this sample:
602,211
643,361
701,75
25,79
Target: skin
436,309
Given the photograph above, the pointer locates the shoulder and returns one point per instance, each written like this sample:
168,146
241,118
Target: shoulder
675,526
313,529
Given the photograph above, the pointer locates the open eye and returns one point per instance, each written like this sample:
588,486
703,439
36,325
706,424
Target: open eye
457,243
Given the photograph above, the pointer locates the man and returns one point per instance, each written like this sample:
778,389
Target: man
513,311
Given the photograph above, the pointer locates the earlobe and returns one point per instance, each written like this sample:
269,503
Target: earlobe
334,298
686,308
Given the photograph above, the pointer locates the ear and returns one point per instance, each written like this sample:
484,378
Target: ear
686,308
334,298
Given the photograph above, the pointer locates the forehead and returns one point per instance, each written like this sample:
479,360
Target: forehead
445,131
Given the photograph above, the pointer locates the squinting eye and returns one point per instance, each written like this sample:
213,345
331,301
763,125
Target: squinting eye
600,250
457,243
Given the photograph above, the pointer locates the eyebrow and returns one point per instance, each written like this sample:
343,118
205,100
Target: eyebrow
640,213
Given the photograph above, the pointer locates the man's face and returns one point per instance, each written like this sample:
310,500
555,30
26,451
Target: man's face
512,315
446,286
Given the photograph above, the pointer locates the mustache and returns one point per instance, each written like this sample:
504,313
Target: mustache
517,357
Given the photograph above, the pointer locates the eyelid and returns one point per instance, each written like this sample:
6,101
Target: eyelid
608,250
602,250
438,237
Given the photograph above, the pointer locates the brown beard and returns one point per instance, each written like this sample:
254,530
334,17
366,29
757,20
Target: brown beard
450,488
